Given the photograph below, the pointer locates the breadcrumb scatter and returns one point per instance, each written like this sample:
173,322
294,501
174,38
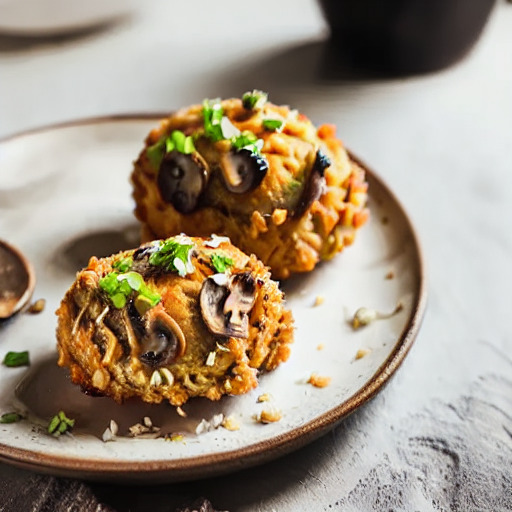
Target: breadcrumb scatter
319,300
390,275
181,412
269,415
265,397
319,381
230,423
362,352
320,346
37,306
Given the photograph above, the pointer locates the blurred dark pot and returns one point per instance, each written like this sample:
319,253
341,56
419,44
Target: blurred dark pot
405,36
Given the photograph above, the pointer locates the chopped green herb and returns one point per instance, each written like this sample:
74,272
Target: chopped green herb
10,417
272,125
173,256
124,264
155,153
254,100
60,424
119,287
180,142
221,262
247,140
14,359
212,116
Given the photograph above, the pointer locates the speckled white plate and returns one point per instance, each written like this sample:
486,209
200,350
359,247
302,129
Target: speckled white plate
65,195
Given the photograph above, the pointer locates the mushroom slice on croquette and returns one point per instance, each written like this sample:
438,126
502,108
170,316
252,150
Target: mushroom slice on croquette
173,319
260,173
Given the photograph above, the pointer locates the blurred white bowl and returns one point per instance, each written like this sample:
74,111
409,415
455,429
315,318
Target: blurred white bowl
58,17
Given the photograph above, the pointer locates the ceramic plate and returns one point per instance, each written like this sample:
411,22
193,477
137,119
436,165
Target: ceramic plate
65,195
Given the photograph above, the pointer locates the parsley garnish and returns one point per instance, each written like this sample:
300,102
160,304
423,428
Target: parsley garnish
254,100
155,153
119,287
221,262
212,116
247,140
14,359
272,125
60,424
173,256
10,417
180,142
176,141
123,264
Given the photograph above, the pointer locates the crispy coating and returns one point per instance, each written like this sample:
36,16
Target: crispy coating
267,220
103,346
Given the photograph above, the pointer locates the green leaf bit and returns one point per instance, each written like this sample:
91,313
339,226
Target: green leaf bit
273,125
220,262
212,116
176,141
180,142
155,153
173,256
60,424
123,264
119,287
10,417
247,140
254,100
15,359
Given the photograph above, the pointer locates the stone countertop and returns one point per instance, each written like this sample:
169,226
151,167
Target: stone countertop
439,436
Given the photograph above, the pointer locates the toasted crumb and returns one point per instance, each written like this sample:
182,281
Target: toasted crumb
37,306
390,275
279,216
265,397
319,300
230,423
181,412
145,430
362,352
174,437
320,346
270,415
319,381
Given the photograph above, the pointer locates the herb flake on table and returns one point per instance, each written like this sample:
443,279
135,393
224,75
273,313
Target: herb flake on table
10,417
15,359
60,424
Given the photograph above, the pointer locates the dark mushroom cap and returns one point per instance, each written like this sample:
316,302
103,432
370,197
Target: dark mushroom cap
242,170
315,185
226,302
162,340
182,179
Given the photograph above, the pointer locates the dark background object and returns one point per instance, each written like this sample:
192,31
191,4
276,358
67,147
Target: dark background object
405,36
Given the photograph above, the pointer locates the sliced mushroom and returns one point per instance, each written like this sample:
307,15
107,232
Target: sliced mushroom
225,307
242,170
163,341
315,185
182,179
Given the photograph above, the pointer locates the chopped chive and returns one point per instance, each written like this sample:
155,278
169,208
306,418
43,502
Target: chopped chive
60,424
155,153
10,417
124,264
254,100
14,359
172,256
221,262
272,125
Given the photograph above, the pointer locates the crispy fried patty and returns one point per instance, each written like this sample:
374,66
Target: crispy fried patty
171,320
294,197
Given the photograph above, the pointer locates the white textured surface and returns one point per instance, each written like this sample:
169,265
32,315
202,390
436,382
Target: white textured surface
439,436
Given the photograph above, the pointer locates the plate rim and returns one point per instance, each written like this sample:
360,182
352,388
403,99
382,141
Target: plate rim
202,466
